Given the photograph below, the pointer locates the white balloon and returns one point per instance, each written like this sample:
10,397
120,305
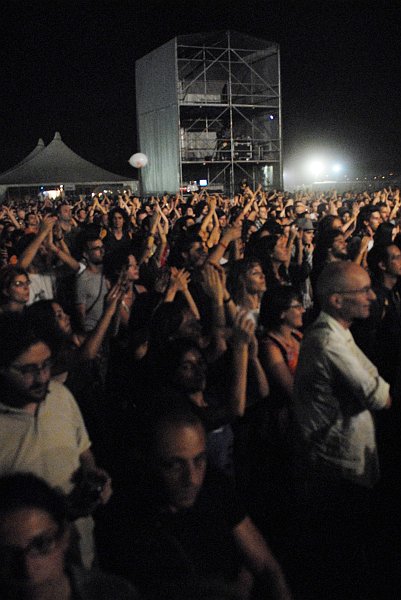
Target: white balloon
138,160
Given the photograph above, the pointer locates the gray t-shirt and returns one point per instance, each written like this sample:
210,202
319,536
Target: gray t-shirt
90,290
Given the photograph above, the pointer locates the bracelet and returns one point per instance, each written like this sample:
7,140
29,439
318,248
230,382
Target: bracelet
225,246
228,300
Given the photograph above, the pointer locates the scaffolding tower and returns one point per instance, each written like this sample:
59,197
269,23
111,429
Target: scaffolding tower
209,113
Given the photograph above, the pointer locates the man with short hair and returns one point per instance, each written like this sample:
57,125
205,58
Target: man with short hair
379,335
336,387
41,427
192,530
91,287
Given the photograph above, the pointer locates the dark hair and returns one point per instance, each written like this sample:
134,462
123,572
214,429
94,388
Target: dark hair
165,323
324,244
17,334
384,234
273,303
235,277
378,254
182,245
123,213
7,276
114,262
25,490
174,412
43,319
326,224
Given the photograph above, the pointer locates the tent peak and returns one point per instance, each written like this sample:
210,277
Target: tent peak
41,143
57,136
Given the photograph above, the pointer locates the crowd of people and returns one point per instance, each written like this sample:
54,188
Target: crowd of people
200,396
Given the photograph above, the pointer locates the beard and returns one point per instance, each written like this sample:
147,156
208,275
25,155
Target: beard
16,396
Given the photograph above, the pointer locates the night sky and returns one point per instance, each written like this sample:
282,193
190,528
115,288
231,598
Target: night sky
69,66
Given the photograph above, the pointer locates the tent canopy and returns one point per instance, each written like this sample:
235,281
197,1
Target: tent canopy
57,164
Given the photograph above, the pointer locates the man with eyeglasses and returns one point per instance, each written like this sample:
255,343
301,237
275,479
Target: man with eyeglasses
336,388
41,427
91,287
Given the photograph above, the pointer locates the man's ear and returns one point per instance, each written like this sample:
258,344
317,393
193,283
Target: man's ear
336,300
382,265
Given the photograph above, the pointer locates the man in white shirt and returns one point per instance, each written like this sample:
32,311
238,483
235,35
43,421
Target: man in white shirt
336,387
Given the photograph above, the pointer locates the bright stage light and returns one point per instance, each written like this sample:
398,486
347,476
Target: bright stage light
337,168
316,167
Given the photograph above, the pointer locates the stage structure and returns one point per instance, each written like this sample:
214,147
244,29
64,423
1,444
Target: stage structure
209,113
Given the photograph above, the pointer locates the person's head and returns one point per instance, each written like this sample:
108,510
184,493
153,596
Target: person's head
32,221
331,246
281,306
81,215
183,366
371,217
339,250
345,214
328,222
118,218
189,252
122,259
25,361
14,287
384,211
172,320
306,226
246,277
34,536
49,318
178,456
281,251
93,249
64,213
385,233
344,291
385,260
263,213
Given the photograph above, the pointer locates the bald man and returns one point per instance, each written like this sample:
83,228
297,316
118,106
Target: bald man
336,388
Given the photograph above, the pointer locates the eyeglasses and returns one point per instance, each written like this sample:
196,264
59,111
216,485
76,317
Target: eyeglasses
297,305
22,283
41,545
33,370
364,290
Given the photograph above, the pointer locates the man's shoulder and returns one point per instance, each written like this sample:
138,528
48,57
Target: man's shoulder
59,394
319,332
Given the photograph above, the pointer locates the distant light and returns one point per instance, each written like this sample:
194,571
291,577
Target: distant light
337,168
316,167
271,117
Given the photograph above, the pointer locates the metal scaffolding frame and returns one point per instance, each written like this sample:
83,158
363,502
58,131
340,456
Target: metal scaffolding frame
209,108
229,104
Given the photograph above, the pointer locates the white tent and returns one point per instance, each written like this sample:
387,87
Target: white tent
55,165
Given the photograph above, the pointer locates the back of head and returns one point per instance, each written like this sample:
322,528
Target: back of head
24,490
17,334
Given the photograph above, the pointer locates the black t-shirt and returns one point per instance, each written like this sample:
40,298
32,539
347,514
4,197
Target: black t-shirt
193,543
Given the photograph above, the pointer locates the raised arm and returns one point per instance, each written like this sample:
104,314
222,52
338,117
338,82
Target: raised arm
30,252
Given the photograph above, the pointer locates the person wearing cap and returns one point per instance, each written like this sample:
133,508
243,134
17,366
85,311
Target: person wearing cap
303,258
